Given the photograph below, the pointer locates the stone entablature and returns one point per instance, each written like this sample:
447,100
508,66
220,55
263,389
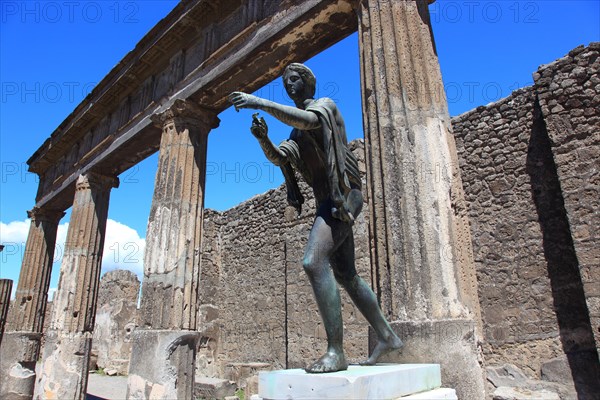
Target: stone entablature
201,51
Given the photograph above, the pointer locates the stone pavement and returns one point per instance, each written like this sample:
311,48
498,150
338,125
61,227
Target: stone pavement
106,387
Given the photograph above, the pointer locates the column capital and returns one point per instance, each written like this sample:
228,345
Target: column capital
187,112
93,180
41,214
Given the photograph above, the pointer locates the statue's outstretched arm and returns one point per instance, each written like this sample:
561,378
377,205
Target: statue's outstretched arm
292,116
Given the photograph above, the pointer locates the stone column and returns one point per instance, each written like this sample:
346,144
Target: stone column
164,348
21,343
421,253
66,354
5,291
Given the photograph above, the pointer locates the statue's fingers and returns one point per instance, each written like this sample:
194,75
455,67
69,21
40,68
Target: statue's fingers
238,103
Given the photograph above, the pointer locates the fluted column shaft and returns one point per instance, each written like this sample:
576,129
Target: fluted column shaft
65,360
5,290
74,306
34,280
420,242
172,258
20,347
168,338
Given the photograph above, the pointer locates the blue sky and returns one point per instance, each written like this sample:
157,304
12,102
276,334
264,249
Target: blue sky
52,53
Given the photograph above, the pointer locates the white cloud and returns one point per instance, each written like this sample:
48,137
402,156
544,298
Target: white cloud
13,236
14,232
123,248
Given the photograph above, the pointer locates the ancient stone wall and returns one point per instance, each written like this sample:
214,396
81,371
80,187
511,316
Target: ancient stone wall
569,97
529,164
257,303
515,291
116,319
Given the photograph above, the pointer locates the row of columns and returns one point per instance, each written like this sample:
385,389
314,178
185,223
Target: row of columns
419,236
171,272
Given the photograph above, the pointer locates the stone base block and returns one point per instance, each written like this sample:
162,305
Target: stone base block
241,372
18,355
64,370
162,365
357,383
212,388
452,343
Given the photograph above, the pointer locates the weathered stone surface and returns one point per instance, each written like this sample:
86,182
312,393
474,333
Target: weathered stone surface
251,386
160,364
508,393
557,370
172,259
509,377
420,241
5,293
524,234
28,312
29,309
506,375
448,342
208,326
64,371
519,321
66,355
575,142
239,373
18,355
116,319
104,387
213,388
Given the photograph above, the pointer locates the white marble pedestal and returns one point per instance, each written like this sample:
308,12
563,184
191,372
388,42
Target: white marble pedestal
380,382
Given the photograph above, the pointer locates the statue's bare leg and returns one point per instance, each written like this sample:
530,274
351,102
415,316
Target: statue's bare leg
364,298
317,266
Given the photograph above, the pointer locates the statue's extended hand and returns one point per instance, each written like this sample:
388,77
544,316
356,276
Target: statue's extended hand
244,100
259,127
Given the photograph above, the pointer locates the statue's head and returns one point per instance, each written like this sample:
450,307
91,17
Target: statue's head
304,87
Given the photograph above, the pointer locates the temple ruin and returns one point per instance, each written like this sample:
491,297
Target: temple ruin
423,260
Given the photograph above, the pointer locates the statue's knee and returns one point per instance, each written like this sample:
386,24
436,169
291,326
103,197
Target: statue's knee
309,265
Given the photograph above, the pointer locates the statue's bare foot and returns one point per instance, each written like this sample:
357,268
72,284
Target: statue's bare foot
329,362
383,348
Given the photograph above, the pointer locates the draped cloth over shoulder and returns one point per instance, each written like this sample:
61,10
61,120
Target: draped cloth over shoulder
294,196
342,167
